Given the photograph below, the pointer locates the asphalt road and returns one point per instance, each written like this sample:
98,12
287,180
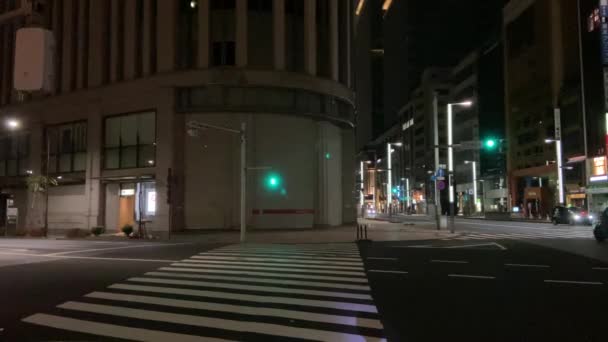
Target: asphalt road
487,290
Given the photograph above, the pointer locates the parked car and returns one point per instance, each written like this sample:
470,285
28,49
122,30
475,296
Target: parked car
572,215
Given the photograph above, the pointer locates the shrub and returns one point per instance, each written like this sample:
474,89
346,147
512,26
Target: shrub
98,230
127,229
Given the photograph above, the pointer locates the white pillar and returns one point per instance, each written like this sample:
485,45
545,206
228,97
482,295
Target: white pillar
558,152
241,33
475,186
389,181
334,40
203,34
278,18
310,36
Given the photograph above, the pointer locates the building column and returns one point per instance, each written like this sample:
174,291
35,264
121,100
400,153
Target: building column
66,54
81,63
310,36
114,57
165,34
334,40
93,169
328,211
278,17
146,36
96,34
349,50
241,33
203,34
129,39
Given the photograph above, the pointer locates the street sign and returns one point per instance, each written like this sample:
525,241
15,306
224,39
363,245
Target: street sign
470,145
470,191
441,185
440,178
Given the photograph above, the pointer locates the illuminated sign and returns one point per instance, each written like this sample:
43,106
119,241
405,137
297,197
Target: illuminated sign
599,166
151,205
408,124
598,179
127,192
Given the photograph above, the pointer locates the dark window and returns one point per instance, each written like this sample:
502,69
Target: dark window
187,35
294,35
139,37
323,43
74,46
260,5
153,29
260,24
107,42
222,4
521,32
14,154
85,47
130,141
120,63
67,147
224,53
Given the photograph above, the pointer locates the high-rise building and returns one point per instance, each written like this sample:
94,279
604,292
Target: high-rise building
131,75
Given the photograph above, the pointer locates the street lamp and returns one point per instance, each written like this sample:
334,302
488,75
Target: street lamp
451,158
389,183
12,124
474,169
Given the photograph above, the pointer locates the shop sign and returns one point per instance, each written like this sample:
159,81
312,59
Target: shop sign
599,166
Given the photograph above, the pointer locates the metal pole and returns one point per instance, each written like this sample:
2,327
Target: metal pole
389,181
436,142
362,190
451,169
243,181
475,186
558,152
48,187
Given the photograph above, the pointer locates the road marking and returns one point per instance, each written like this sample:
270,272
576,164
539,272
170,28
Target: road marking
450,261
115,248
277,260
376,258
89,258
528,265
260,268
290,252
201,321
470,276
258,288
241,309
283,256
111,330
250,298
267,274
386,271
261,280
480,245
601,268
283,265
573,282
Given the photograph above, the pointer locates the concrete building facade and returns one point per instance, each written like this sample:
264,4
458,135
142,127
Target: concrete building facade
131,74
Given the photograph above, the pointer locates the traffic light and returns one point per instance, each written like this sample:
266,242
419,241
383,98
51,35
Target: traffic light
490,144
273,182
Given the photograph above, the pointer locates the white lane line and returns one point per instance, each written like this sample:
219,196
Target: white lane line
59,257
201,321
261,280
573,282
470,276
241,309
311,253
115,248
361,280
528,265
260,268
271,289
111,330
376,258
601,268
480,245
282,256
284,265
250,298
277,260
387,271
449,261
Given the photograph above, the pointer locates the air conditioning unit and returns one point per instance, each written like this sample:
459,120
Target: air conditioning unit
34,68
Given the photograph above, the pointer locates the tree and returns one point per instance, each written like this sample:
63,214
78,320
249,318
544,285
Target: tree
39,185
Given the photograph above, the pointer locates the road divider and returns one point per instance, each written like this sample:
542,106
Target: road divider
470,276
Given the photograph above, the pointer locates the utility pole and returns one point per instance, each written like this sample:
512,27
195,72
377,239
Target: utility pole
436,154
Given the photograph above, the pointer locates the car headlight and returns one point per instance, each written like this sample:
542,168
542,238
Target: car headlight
591,217
577,217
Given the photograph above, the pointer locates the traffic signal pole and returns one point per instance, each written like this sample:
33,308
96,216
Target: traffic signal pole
436,142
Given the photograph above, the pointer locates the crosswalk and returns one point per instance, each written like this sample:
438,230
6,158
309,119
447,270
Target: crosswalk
256,292
537,233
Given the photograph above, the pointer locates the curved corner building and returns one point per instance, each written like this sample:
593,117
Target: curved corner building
129,77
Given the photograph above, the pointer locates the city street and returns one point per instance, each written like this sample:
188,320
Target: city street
489,283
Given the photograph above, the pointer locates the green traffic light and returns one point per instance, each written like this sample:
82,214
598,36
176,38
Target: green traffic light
490,143
273,181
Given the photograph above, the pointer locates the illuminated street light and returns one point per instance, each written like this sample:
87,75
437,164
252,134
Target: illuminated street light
12,124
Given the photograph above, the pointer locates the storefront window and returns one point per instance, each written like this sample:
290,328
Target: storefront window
130,141
68,147
14,155
599,166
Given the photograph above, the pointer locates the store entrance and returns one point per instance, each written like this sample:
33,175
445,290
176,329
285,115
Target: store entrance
132,204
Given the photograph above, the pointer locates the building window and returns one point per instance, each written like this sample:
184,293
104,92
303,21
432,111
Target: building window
260,24
224,53
130,141
67,147
14,155
187,38
294,35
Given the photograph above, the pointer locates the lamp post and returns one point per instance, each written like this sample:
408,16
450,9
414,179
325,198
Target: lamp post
474,169
451,158
389,182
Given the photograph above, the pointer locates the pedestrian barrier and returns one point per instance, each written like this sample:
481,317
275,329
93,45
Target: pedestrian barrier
362,232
